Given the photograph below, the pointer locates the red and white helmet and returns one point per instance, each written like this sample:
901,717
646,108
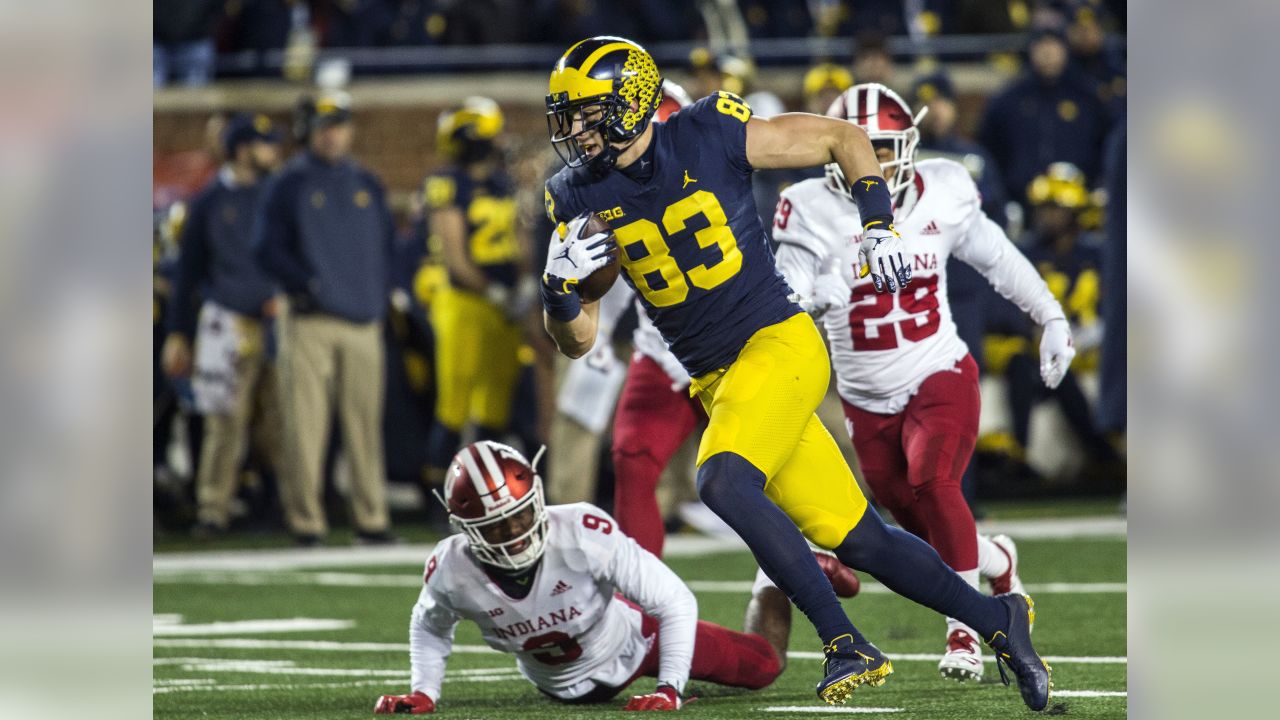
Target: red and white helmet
887,119
488,488
674,97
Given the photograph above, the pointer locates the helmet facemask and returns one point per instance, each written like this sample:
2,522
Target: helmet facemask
516,552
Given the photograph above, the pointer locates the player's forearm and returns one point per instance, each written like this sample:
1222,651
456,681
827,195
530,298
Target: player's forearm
1009,272
428,653
851,150
575,337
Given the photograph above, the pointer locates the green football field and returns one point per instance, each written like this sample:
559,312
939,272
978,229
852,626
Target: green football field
280,634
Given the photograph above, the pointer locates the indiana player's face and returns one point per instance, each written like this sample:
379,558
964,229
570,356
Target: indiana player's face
509,528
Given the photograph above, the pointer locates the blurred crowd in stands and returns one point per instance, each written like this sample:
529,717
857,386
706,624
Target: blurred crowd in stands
314,347
190,36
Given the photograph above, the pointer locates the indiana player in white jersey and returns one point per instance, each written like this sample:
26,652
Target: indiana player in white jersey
908,384
584,609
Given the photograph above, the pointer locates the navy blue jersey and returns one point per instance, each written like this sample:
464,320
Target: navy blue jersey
692,243
489,208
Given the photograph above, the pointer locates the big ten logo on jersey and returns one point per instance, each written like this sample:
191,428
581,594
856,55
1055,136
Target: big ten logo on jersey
493,234
868,323
647,258
611,214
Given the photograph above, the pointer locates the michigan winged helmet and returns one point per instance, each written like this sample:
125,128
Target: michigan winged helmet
606,84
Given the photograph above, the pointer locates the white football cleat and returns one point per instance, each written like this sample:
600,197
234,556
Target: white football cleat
963,660
1008,582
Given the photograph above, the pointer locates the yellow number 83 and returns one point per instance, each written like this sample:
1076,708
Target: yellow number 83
657,258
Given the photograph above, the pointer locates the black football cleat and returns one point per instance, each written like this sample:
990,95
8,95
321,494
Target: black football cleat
847,666
1013,649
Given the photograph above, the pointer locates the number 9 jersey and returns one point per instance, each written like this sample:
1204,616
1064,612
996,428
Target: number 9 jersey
693,246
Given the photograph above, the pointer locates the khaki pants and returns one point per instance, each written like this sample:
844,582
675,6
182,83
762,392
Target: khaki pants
226,434
326,360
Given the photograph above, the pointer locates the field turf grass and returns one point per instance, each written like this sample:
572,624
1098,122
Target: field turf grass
334,681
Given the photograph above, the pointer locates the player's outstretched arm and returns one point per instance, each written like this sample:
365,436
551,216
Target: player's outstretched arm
986,247
798,140
793,140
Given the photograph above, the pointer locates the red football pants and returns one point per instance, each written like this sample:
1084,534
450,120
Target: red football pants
913,461
650,424
720,655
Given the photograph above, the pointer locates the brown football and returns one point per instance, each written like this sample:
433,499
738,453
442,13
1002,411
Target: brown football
594,286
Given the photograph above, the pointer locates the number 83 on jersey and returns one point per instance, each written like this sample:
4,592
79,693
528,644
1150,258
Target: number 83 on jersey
656,273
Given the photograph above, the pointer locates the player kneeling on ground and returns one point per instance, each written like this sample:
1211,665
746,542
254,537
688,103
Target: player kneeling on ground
584,609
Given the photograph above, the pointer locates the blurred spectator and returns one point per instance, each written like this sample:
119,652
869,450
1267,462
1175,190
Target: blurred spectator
1069,260
325,234
262,24
981,17
872,62
1097,53
182,47
823,83
233,375
712,71
776,18
489,22
477,314
1048,114
356,23
939,137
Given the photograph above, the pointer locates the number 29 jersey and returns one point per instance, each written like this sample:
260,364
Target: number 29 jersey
884,345
691,239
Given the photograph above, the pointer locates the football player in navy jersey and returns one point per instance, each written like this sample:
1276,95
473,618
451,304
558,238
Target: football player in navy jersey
677,196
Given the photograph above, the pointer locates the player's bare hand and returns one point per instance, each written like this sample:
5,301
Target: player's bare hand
664,698
417,703
1057,350
571,258
175,356
883,255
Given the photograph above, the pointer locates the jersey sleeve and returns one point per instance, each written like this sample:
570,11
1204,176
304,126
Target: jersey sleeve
985,246
800,249
431,629
643,579
722,119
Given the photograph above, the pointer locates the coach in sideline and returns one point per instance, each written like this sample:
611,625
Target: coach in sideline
325,233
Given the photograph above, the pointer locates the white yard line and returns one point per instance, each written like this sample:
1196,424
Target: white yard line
1088,693
378,580
314,645
237,627
676,546
335,646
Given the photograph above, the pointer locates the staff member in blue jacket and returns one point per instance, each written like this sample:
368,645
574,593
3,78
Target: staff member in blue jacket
218,280
325,234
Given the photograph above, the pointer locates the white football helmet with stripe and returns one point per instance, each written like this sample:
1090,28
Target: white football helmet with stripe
887,119
494,497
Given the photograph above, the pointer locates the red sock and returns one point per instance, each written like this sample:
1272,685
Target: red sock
951,528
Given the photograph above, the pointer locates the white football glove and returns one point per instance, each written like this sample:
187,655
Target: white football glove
571,258
1057,350
884,255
